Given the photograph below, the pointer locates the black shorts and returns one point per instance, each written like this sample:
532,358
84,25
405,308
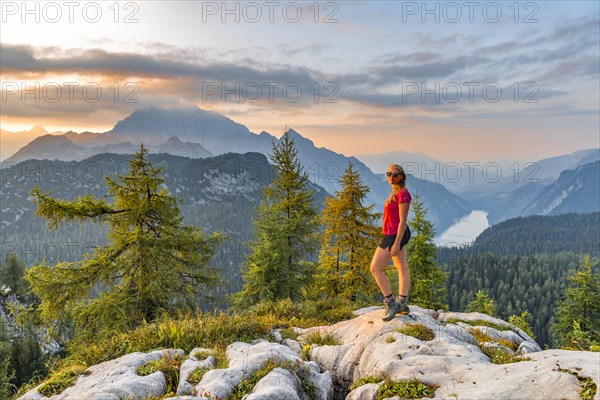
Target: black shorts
388,240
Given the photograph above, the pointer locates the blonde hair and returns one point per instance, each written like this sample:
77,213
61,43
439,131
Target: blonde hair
396,188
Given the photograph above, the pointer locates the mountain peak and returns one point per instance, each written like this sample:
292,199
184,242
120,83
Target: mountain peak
173,140
155,125
298,138
38,130
49,139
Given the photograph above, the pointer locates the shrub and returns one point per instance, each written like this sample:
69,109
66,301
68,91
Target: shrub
408,389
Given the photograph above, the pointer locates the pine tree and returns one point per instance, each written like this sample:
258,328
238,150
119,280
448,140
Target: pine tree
284,234
12,275
348,240
27,357
482,304
577,316
428,282
6,372
152,261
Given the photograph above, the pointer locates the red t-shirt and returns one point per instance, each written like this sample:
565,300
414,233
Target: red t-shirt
391,213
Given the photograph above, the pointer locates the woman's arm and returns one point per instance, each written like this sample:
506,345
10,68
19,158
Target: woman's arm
403,213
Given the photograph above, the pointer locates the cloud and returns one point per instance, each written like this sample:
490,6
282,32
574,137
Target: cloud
167,74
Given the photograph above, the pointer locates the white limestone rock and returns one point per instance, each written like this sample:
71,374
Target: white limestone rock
321,381
452,360
245,359
189,366
277,385
277,336
364,392
292,344
115,379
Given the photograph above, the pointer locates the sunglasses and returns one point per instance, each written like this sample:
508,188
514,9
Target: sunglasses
394,174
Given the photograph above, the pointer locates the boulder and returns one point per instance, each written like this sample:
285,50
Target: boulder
245,359
115,379
277,385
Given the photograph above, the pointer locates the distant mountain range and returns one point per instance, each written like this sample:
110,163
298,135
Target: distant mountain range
196,133
576,190
64,148
450,190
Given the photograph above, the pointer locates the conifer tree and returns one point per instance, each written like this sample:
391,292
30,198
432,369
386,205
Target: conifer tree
428,282
577,316
26,356
6,372
152,261
12,275
348,240
285,231
482,303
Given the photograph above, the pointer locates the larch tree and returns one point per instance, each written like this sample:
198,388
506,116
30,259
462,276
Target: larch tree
285,234
349,239
152,262
428,282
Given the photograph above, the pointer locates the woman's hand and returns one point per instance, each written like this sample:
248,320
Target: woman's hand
395,249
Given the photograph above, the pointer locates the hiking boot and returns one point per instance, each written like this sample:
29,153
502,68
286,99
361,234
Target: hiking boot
402,308
391,309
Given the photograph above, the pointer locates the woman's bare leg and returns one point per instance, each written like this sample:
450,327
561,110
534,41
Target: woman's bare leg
401,264
380,260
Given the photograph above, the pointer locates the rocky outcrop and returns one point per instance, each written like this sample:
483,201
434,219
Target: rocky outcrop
453,359
115,379
460,355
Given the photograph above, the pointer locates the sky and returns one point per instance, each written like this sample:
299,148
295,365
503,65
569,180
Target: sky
459,81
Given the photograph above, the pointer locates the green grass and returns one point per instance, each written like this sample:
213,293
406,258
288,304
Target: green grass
418,331
185,332
483,337
588,388
316,337
390,339
203,354
288,333
366,380
497,355
587,384
314,312
406,389
168,365
60,380
196,375
500,357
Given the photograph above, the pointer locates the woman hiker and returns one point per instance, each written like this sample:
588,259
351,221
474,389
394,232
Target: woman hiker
396,234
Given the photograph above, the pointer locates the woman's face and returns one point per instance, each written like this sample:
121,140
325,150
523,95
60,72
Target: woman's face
393,175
